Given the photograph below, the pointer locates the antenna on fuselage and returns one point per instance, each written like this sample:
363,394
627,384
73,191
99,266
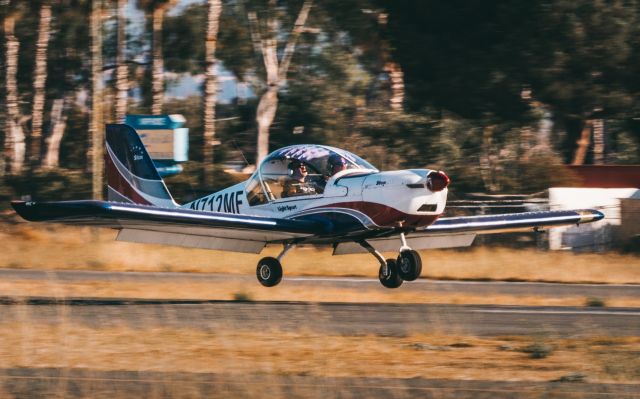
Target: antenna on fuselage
241,153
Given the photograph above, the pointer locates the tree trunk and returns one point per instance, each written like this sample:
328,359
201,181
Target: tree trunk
265,115
598,141
486,169
122,84
58,125
396,80
276,71
39,81
210,88
583,144
14,133
96,131
157,85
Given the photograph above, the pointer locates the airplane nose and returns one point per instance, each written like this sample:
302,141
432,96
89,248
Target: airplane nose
437,181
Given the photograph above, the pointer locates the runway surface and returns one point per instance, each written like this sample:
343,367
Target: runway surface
349,319
335,318
328,318
422,285
96,384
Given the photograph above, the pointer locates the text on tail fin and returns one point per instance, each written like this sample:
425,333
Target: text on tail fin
131,175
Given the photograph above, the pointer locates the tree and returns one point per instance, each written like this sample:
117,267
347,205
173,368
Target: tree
96,126
69,63
39,81
157,10
122,80
214,9
266,44
14,130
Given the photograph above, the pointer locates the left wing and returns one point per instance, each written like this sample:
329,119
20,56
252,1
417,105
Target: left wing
181,227
512,222
460,231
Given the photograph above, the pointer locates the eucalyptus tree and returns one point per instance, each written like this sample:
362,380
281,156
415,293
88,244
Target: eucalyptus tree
97,85
214,9
70,65
122,79
39,80
156,9
15,147
264,34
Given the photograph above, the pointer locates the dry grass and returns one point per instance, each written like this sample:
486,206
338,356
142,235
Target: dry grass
230,290
41,246
302,353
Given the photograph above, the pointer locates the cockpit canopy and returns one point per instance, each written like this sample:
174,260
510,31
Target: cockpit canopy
279,177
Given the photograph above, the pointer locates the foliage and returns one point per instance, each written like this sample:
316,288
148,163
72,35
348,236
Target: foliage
538,350
595,302
481,80
58,185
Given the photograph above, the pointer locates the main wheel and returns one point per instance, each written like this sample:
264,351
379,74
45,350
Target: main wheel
391,279
409,265
269,271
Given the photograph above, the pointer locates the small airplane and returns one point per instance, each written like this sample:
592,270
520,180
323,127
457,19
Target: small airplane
301,194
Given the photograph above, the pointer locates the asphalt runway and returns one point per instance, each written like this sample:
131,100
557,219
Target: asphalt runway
334,318
76,383
350,319
603,291
328,318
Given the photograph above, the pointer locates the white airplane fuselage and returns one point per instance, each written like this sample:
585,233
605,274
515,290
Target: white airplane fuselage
376,199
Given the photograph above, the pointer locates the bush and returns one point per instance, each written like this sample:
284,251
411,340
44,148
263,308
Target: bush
538,350
242,297
594,302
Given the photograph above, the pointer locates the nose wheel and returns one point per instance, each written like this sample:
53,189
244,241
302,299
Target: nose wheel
389,276
409,265
392,272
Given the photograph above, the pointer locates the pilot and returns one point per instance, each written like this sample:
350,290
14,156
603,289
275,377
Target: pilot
297,183
336,164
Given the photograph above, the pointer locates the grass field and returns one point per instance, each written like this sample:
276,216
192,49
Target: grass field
240,352
29,343
39,246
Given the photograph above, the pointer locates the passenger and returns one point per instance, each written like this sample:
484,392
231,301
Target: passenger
336,164
297,183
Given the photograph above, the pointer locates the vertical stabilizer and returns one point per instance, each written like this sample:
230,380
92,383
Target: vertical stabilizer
131,175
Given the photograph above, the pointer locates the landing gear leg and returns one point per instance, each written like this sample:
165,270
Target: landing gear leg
388,272
269,269
409,262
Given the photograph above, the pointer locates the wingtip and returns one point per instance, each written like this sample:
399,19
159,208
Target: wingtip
598,216
590,215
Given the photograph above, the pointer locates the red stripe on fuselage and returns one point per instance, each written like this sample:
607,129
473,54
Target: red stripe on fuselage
116,181
384,215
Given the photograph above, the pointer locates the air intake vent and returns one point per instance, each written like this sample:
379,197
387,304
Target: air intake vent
428,208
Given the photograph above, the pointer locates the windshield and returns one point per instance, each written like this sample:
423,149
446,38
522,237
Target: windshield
303,170
322,158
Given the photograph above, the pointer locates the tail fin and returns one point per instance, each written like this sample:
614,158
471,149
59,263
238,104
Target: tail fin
131,175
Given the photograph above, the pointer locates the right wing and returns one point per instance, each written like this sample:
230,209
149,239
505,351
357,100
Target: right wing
512,222
460,231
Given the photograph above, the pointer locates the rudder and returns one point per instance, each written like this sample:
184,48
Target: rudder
131,175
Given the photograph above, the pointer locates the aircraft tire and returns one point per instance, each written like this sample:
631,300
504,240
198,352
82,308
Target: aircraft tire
409,265
392,280
269,271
